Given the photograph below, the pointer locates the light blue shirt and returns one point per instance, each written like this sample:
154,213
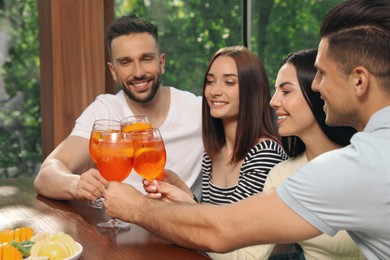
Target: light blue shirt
349,189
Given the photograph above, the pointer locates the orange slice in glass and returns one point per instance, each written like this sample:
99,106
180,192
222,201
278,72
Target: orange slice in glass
136,127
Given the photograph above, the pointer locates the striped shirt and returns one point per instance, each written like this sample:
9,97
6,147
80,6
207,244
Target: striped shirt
253,172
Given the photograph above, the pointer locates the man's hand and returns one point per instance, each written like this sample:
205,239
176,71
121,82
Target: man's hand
122,201
90,185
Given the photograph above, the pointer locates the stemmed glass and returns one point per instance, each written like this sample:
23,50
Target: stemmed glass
115,157
135,122
99,126
149,153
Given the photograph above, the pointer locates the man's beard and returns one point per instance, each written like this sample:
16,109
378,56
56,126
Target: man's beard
149,97
346,117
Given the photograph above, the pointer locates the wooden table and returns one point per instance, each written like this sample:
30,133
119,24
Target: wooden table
21,206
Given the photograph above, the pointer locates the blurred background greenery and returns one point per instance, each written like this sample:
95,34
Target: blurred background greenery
190,32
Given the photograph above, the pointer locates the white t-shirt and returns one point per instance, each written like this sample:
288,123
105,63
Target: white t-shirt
181,131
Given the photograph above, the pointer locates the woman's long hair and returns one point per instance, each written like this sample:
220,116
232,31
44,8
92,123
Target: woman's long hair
255,116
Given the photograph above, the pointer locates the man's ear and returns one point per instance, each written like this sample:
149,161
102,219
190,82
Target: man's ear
162,63
361,78
112,70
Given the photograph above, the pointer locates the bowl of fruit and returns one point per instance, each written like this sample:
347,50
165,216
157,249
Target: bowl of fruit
22,244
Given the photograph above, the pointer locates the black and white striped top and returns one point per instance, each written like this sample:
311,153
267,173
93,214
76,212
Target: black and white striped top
253,172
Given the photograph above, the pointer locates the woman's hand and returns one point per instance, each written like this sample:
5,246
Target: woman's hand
172,178
166,192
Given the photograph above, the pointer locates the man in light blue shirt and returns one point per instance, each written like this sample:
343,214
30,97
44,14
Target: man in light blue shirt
347,189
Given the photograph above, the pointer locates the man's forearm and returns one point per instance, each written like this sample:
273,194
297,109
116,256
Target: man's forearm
175,222
55,181
260,219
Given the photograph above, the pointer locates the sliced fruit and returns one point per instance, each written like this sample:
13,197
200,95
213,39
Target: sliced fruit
10,253
18,234
68,242
6,235
53,245
26,233
35,249
53,250
136,127
145,151
23,248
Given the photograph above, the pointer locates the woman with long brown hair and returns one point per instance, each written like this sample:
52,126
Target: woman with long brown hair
239,135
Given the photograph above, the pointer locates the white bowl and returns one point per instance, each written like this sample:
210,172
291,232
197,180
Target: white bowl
77,254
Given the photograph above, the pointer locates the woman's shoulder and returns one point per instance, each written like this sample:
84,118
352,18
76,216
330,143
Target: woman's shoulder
269,143
268,146
282,170
288,166
265,144
206,164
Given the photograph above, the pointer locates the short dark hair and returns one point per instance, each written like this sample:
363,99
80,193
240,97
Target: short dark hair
303,61
358,32
127,25
255,116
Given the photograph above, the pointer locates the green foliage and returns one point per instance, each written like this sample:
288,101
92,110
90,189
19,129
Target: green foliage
20,132
190,33
292,25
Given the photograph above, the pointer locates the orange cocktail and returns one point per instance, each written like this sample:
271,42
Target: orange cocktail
93,144
149,153
135,123
136,127
99,126
115,156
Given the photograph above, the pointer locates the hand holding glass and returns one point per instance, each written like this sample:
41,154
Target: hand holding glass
115,161
99,126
